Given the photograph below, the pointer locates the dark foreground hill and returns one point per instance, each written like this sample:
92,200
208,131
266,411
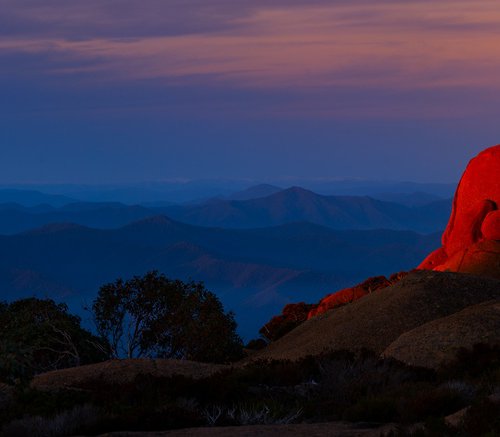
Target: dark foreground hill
255,271
344,392
393,316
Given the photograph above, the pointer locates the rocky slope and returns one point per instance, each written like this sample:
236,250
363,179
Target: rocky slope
379,319
438,341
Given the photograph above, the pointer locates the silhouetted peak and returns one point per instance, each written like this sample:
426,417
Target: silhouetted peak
298,192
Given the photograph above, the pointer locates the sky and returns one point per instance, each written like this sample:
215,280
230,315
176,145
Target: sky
108,91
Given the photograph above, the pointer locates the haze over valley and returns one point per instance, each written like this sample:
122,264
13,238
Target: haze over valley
257,253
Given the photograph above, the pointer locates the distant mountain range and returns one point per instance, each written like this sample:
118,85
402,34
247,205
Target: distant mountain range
255,192
282,207
192,191
417,198
33,198
260,247
261,269
297,204
15,218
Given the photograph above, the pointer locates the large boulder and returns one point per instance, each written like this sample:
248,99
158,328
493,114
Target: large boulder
471,241
438,341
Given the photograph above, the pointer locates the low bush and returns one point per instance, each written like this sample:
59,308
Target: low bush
334,386
432,402
373,409
79,419
482,419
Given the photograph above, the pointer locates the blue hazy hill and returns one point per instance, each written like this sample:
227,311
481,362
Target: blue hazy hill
254,271
282,207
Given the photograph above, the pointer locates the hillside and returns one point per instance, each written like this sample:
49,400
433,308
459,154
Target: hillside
379,319
123,372
438,341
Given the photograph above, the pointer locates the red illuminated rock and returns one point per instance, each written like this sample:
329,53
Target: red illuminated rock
490,229
348,295
471,241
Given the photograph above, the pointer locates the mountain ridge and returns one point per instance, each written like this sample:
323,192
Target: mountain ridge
267,267
298,204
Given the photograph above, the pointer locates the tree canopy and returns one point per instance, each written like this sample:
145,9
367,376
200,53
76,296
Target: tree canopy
154,316
40,335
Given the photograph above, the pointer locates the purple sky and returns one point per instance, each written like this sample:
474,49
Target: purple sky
106,91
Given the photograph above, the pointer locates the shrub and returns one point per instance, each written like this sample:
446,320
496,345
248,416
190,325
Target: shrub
256,344
68,422
473,362
431,402
259,413
291,317
40,335
482,418
373,409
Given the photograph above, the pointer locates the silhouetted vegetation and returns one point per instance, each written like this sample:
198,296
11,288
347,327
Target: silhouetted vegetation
334,386
291,317
256,344
40,335
153,316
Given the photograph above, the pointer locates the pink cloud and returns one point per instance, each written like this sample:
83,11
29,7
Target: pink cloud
268,45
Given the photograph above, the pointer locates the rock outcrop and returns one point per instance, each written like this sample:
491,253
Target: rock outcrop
379,319
348,295
421,319
471,241
438,341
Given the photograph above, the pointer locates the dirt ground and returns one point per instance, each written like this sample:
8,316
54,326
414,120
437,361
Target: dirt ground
332,429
